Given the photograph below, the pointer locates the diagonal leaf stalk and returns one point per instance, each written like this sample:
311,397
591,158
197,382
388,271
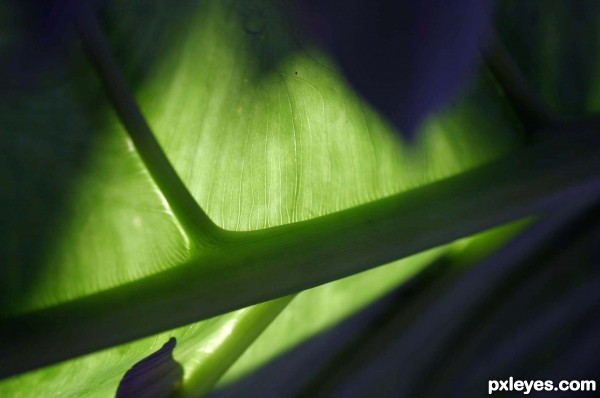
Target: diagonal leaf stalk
187,211
204,376
531,110
275,262
195,221
528,106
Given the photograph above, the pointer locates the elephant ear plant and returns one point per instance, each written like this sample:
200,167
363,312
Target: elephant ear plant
200,194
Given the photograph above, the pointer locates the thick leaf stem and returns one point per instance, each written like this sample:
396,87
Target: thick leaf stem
195,221
262,265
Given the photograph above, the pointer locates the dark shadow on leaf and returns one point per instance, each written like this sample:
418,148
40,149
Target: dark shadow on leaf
528,311
313,361
52,111
407,58
49,126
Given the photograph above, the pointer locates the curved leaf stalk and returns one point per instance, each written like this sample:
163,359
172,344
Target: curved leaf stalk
196,223
275,262
531,110
201,229
528,106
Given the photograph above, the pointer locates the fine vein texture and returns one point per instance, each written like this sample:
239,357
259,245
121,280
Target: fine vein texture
188,213
271,263
264,133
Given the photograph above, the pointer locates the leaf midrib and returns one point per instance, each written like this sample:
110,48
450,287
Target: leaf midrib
266,264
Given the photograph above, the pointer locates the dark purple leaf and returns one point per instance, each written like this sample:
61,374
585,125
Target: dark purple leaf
156,376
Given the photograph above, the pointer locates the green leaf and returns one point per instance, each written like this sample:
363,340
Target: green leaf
264,133
556,44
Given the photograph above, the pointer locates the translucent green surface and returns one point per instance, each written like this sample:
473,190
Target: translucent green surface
264,133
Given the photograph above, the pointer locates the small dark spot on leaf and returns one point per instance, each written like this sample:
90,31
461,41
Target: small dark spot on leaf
156,376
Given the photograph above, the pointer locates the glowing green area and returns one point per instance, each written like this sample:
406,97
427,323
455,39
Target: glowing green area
263,133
